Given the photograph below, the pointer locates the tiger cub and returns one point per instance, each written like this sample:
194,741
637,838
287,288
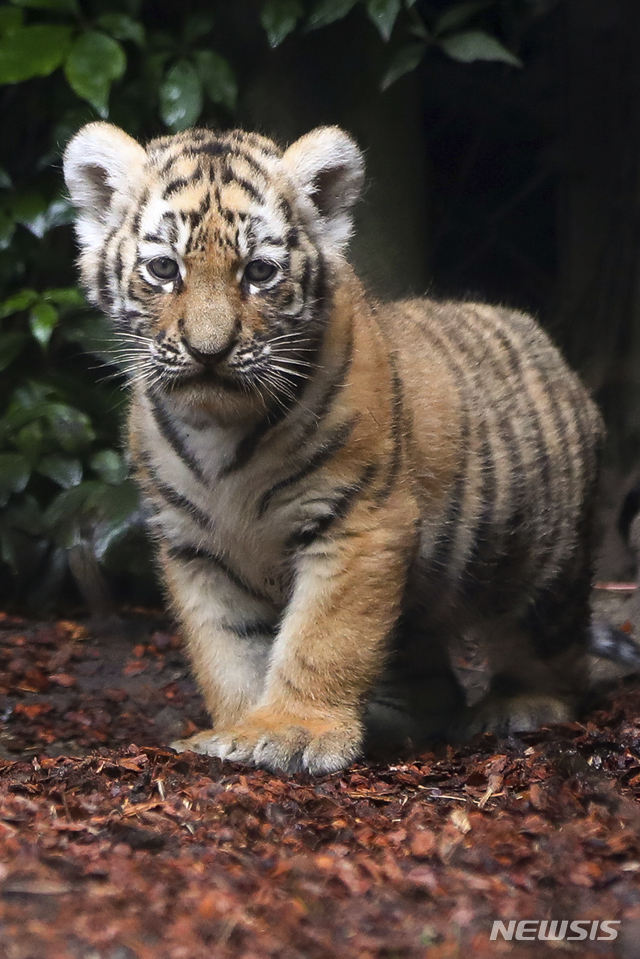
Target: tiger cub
336,486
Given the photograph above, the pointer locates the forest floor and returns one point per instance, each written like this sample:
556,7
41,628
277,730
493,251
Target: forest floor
114,847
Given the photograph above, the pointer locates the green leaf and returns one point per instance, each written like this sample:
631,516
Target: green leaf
474,45
279,18
65,513
110,466
30,210
10,19
181,96
119,511
328,11
43,319
406,60
197,25
60,212
458,14
15,471
20,301
11,345
64,6
31,440
383,13
66,471
122,27
38,215
24,515
71,427
5,179
95,61
34,51
66,296
114,503
92,503
7,229
217,78
32,395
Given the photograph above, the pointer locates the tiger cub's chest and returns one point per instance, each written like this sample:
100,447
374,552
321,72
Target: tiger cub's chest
203,496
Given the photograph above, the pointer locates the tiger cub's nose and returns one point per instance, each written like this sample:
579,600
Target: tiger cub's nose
212,357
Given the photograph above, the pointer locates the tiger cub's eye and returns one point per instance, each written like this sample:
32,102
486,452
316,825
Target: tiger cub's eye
259,271
163,268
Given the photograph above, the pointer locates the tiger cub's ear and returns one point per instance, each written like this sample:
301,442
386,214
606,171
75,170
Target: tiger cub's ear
99,161
329,167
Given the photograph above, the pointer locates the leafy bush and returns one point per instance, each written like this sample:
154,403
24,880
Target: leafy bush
151,67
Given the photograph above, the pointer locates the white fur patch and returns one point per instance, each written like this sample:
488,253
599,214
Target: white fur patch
328,167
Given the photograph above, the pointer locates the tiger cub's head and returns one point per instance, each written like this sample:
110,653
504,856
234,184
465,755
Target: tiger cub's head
214,253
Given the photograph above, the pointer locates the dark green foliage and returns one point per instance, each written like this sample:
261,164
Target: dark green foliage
149,67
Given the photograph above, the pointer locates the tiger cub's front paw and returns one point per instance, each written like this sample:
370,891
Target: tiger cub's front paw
282,744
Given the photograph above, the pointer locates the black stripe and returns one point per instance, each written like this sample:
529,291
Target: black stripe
324,453
176,185
102,279
273,241
182,504
285,208
249,444
306,277
543,458
135,223
229,176
315,417
171,219
119,265
125,320
168,163
397,407
212,148
320,287
190,553
252,162
446,535
556,517
346,494
515,365
441,555
170,434
171,496
468,340
339,507
499,560
257,141
205,204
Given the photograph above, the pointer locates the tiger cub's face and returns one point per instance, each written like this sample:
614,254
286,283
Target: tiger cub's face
214,253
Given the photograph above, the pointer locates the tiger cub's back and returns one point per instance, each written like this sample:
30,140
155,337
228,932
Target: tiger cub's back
515,513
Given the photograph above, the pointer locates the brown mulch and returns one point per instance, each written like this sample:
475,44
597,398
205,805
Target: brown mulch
110,850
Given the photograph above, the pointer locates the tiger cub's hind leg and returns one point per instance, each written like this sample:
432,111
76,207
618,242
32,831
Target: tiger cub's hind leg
418,696
539,662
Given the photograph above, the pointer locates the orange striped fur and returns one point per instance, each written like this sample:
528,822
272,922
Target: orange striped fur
336,486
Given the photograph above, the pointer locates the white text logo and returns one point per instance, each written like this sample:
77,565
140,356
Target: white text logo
547,930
